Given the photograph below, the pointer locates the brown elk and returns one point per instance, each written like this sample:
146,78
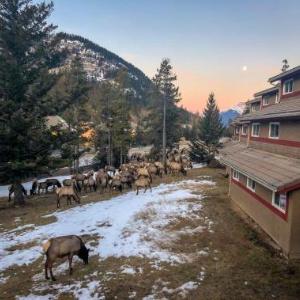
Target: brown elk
79,180
143,182
115,184
144,172
176,168
63,246
90,183
68,192
102,179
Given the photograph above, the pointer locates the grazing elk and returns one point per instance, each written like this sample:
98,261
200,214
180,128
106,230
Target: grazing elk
63,246
68,192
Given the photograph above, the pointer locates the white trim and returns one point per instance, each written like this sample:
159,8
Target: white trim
277,206
270,124
249,186
283,87
235,172
277,97
252,125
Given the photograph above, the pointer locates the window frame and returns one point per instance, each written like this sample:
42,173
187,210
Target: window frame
249,186
243,127
270,126
252,126
278,206
265,98
284,85
236,178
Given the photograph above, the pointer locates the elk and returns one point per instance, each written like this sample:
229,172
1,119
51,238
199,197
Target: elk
143,182
69,192
102,179
116,184
176,168
63,246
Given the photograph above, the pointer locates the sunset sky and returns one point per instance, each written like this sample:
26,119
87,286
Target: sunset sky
230,47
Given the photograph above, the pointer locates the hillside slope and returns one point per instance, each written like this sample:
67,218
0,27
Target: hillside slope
100,64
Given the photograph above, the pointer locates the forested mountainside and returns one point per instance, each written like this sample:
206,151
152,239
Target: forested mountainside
101,64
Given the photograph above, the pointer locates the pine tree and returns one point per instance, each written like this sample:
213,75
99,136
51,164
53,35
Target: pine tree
210,126
113,134
26,49
165,95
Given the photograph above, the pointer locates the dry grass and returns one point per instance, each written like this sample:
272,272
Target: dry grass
237,264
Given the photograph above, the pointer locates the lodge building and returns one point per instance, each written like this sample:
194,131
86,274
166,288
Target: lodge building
263,161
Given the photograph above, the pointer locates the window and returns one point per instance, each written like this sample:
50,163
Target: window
235,175
251,184
244,129
288,86
274,130
265,100
279,200
255,129
237,130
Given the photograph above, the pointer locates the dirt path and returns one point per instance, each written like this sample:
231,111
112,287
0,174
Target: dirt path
180,241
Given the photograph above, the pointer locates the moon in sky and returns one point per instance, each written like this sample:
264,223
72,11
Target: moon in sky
245,68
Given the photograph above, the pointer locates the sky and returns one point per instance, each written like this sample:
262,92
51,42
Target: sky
229,47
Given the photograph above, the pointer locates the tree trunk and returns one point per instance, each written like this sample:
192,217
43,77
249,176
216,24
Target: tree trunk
164,134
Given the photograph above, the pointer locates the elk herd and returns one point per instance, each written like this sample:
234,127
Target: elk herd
138,174
135,174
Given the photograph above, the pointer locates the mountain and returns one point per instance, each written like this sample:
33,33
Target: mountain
232,113
99,63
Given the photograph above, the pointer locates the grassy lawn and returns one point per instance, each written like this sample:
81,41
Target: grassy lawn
226,260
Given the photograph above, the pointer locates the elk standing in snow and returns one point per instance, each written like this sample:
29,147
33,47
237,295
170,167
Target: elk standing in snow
63,246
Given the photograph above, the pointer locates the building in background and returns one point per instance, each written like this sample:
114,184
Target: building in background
263,161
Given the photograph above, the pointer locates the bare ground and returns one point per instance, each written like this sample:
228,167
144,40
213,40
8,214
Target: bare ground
235,263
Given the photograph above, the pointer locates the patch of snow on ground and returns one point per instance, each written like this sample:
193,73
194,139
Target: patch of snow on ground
128,270
35,297
199,165
136,229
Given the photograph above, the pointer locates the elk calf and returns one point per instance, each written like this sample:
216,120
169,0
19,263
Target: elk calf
63,246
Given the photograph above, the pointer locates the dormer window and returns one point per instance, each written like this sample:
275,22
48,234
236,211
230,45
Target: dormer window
265,100
288,86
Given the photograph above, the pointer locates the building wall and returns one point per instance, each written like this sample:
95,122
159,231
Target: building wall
288,143
295,218
275,226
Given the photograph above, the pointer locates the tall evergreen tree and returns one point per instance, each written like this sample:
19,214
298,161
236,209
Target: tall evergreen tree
210,126
26,49
76,114
165,114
